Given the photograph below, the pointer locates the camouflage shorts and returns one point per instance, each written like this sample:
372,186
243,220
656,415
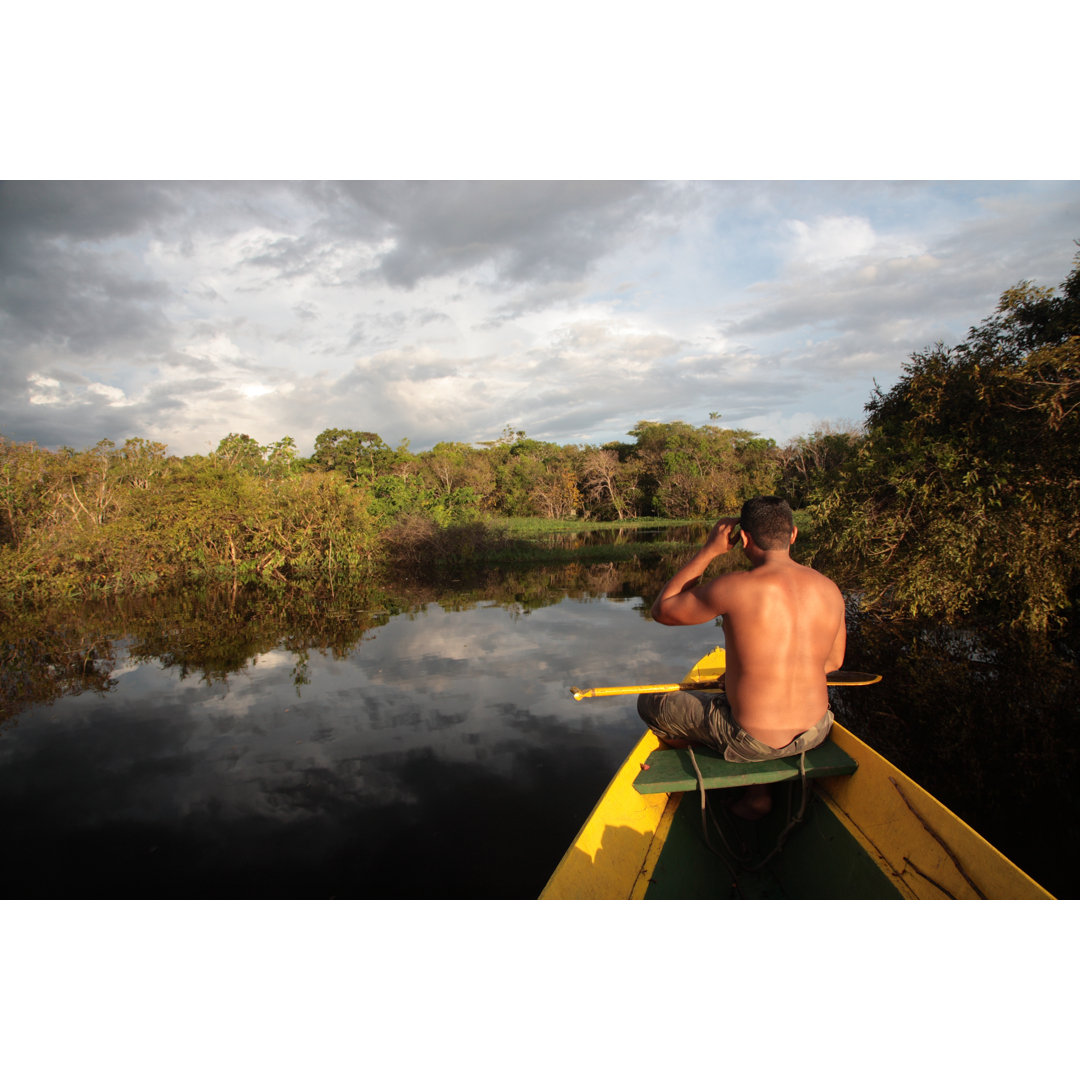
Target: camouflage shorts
705,719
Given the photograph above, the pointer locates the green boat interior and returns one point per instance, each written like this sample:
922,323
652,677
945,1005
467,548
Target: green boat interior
798,851
818,860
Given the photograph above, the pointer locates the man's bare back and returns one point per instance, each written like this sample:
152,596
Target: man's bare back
783,631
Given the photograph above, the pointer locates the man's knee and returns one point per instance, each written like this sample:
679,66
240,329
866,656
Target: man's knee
648,707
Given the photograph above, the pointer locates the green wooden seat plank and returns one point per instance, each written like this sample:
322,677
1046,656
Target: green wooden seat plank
672,770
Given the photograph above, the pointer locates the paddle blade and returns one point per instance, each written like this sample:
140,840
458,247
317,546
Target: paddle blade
851,678
612,691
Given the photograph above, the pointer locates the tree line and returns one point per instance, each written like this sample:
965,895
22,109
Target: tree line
115,518
956,498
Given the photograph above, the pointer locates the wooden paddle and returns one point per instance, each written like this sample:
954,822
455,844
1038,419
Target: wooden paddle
834,678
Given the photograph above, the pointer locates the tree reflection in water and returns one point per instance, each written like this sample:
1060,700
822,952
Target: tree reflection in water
419,740
984,720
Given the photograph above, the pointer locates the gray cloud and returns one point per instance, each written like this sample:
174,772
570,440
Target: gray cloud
381,331
407,232
532,231
533,298
82,210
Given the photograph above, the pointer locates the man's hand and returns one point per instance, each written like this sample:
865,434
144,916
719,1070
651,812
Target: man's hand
723,537
684,601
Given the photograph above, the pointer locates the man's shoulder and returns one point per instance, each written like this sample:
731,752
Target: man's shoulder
733,580
746,583
810,574
824,587
816,573
804,577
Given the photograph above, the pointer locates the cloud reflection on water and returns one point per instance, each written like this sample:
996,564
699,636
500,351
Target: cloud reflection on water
402,735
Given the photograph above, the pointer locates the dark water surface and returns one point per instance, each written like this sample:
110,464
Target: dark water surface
241,745
435,753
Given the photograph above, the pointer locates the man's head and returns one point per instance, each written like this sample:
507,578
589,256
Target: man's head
768,521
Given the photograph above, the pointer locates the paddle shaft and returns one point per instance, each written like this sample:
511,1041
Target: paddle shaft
834,678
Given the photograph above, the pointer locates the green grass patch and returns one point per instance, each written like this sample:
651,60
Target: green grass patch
530,527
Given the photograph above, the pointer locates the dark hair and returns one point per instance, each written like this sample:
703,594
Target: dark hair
769,521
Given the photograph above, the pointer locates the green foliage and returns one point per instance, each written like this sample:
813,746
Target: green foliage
810,463
239,452
701,472
450,468
535,479
960,501
354,453
130,519
394,497
98,527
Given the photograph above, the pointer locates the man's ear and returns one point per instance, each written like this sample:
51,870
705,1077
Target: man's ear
794,533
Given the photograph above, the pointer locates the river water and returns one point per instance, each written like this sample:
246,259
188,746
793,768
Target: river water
423,743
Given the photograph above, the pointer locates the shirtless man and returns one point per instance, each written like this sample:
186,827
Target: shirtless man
783,631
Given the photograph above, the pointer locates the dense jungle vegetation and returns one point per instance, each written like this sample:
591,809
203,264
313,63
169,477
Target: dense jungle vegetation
955,500
118,519
959,499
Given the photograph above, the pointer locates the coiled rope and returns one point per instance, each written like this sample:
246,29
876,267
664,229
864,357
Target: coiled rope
742,862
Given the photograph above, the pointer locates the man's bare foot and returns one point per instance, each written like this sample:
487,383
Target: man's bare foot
755,803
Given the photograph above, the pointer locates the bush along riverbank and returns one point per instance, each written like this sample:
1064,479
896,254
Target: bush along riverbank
132,521
130,518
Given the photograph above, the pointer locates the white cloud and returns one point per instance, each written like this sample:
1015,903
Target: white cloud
216,346
830,241
46,390
113,394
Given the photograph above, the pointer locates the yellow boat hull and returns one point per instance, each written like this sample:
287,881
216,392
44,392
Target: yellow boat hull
876,833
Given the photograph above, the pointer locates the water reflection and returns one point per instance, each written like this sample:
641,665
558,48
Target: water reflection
673,534
422,742
986,722
432,752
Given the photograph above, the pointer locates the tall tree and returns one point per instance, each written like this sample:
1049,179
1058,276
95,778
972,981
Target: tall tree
962,499
808,462
604,480
354,453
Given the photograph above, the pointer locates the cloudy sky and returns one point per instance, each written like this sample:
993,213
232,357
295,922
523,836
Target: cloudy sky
447,310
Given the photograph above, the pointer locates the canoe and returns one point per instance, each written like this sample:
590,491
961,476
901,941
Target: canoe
848,826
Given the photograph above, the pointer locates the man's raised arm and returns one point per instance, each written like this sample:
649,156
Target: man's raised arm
682,602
